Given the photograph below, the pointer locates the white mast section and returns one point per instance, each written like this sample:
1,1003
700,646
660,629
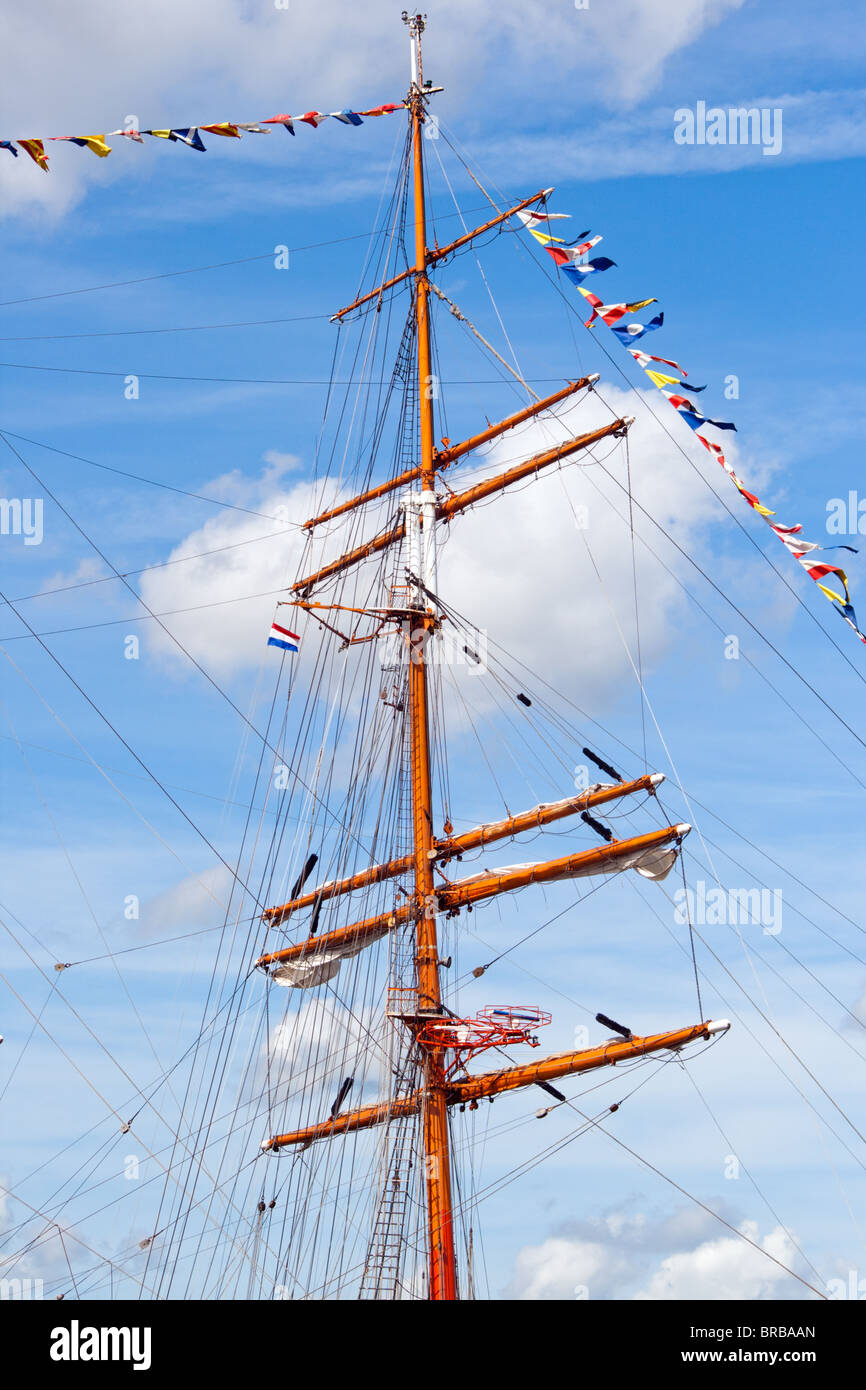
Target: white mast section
427,506
416,28
414,542
420,512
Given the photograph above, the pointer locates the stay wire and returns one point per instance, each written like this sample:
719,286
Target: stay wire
224,694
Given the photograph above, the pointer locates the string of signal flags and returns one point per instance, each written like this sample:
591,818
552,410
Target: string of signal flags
573,261
191,135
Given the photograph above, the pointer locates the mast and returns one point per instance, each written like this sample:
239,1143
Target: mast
443,1081
420,518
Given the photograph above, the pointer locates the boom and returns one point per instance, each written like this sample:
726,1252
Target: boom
494,1083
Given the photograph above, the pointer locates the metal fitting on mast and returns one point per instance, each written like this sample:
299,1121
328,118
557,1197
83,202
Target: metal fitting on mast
416,24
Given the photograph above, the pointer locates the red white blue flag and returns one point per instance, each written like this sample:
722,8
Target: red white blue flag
283,637
643,359
692,416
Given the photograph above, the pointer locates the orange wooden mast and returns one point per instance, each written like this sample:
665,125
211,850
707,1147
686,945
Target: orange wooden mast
426,1018
456,845
474,1088
458,501
434,1104
443,458
638,850
431,257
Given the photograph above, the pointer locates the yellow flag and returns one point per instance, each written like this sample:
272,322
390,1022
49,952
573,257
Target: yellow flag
95,143
163,134
224,128
831,594
660,379
542,236
36,151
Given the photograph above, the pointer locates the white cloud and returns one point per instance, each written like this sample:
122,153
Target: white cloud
87,70
859,1010
318,1028
195,902
726,1268
281,463
314,1049
225,60
814,126
627,1254
560,1268
546,606
240,556
32,1251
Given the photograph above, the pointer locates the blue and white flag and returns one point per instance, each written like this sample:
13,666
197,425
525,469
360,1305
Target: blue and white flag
189,136
578,273
632,332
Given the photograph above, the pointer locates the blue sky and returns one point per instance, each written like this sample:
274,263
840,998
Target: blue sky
757,263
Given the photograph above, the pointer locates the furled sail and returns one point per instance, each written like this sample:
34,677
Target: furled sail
317,960
315,968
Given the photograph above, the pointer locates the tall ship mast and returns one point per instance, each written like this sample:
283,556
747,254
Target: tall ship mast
431,1045
310,1064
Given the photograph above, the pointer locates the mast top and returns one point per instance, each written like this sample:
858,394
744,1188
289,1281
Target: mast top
416,24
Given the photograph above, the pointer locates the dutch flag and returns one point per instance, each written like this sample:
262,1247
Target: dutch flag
283,637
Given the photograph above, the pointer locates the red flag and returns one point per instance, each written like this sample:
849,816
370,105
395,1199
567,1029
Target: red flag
224,128
36,151
384,110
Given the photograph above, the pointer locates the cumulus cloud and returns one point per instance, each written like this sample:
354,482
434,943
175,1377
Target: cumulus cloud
564,602
563,1268
726,1268
164,64
556,605
225,59
318,1028
33,1253
812,126
237,557
859,1011
195,903
627,1254
315,1047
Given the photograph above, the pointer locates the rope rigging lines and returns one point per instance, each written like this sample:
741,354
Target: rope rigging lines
322,781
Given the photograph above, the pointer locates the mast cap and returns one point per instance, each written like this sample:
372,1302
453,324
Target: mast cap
719,1025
